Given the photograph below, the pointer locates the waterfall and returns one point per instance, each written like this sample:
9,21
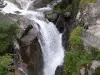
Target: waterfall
49,37
50,41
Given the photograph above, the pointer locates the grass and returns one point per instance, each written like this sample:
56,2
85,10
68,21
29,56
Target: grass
75,38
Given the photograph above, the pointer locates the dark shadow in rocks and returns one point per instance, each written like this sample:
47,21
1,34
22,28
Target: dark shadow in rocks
59,70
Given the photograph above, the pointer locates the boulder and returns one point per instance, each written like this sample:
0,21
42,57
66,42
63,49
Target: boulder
51,16
39,3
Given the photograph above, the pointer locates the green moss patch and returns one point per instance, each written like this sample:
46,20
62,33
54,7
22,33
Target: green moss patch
75,38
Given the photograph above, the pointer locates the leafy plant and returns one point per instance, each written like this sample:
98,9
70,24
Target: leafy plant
4,62
95,53
7,31
75,38
74,59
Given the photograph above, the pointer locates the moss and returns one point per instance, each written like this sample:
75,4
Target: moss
75,38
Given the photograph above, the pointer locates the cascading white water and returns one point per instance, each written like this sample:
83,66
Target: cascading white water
50,41
49,38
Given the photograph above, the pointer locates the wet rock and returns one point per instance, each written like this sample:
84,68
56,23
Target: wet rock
51,16
60,23
32,56
67,14
35,55
59,70
13,1
39,3
29,47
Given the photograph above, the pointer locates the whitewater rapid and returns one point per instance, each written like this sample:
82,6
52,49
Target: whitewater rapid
49,37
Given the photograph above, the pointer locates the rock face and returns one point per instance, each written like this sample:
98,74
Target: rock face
91,14
59,70
91,21
29,47
93,69
39,3
36,62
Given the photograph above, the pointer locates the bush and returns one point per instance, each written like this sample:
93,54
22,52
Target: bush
75,38
7,31
4,62
95,53
73,61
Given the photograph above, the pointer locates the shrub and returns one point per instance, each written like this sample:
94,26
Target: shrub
95,53
7,31
73,61
4,62
75,38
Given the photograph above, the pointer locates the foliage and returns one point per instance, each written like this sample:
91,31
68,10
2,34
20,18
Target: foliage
84,3
75,38
63,6
87,1
4,62
75,6
7,31
95,53
74,59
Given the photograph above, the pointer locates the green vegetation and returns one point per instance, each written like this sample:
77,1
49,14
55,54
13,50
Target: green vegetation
63,6
73,61
7,31
95,53
75,8
87,1
68,6
84,3
77,57
75,38
4,62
